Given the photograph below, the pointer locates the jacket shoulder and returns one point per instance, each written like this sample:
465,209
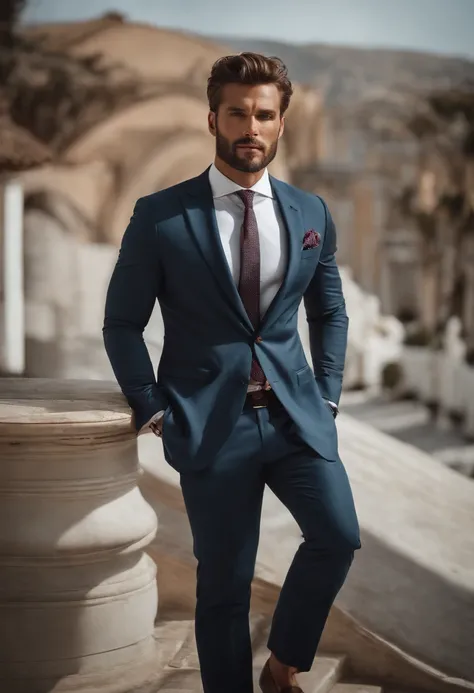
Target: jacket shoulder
302,197
169,195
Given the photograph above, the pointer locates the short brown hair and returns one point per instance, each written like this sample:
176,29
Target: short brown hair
251,69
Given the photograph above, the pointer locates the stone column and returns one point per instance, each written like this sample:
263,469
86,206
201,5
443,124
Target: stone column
78,595
13,281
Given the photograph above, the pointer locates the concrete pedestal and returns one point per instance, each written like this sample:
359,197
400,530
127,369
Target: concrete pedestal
78,594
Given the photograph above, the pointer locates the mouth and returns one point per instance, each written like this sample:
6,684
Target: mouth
249,147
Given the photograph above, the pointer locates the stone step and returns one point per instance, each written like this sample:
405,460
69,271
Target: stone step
170,637
179,660
326,671
355,688
185,654
178,656
388,415
410,421
181,681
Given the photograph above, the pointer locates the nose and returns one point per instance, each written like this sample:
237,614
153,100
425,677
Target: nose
251,129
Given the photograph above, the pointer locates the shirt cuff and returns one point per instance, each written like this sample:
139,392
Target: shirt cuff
156,417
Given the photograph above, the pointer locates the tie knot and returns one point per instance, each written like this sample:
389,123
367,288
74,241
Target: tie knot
247,197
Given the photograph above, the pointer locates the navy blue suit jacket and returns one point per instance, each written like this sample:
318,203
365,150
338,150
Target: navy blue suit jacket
171,251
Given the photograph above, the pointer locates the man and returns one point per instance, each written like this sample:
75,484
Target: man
229,255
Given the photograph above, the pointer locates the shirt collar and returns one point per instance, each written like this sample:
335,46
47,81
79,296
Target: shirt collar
222,186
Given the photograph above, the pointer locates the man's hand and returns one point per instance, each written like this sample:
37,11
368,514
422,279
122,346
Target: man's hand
157,426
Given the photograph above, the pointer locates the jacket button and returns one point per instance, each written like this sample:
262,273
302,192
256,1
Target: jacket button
259,340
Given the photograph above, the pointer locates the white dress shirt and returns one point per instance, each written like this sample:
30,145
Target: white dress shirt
271,231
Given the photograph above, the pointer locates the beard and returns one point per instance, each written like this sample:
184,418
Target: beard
249,162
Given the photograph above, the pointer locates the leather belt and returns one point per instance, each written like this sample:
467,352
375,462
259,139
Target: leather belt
258,399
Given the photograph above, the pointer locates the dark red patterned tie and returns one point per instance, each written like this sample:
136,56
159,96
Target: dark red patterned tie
249,282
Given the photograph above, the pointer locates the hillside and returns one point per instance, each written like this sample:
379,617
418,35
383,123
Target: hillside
349,74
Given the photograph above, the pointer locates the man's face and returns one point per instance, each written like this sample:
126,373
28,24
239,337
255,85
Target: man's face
247,126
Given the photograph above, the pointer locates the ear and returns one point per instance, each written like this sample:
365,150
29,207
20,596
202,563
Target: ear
211,122
282,127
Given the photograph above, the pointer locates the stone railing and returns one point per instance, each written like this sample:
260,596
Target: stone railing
374,339
442,379
78,596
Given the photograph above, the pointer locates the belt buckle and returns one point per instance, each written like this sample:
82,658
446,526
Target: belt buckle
263,397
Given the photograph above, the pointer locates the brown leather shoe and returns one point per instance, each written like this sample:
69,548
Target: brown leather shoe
268,685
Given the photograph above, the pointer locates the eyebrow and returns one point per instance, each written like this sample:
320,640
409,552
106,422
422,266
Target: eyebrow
261,111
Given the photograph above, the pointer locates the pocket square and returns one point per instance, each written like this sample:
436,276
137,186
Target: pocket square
311,239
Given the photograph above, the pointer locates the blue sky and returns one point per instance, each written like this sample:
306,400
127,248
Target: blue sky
439,26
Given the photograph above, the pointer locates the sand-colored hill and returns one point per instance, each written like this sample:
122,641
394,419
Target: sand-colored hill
154,53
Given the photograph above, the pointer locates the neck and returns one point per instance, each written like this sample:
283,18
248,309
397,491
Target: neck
242,178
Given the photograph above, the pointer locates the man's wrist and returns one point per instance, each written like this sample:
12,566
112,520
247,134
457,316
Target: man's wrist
333,406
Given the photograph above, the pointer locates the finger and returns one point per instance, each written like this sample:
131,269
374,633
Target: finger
156,429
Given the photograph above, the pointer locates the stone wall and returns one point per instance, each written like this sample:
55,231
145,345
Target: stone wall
66,286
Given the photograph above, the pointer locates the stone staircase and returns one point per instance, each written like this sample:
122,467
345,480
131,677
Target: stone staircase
180,665
372,643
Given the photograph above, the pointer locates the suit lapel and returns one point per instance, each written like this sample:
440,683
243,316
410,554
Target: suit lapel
294,226
199,209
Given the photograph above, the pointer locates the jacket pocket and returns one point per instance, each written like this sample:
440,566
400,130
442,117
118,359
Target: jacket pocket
310,252
304,375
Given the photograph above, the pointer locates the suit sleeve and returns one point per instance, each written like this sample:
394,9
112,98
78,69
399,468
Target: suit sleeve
131,296
327,318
